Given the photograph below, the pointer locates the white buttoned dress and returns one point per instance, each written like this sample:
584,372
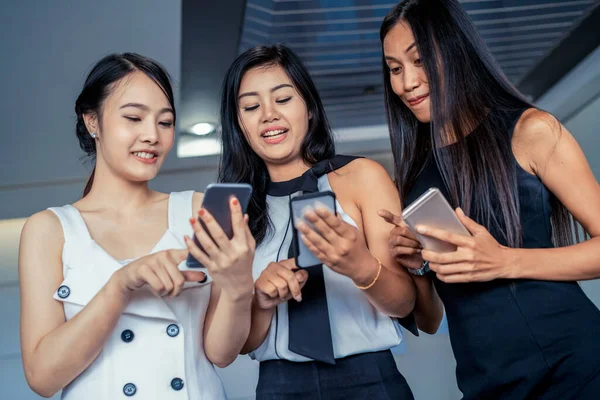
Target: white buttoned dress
156,350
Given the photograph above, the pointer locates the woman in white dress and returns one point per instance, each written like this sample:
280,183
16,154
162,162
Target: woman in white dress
106,310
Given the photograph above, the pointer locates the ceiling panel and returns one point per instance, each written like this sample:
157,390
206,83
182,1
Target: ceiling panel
339,42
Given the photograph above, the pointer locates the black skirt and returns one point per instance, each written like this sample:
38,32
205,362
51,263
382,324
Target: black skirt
370,376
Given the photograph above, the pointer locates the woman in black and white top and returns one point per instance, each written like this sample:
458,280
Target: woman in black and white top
276,137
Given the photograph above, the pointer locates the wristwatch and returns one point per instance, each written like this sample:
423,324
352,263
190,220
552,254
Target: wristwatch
421,271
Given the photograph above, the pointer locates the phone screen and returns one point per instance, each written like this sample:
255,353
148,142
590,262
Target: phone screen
216,202
304,257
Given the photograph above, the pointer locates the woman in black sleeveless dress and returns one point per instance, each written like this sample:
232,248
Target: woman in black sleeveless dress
520,325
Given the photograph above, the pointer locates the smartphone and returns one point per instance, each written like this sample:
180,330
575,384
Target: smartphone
216,201
433,210
304,257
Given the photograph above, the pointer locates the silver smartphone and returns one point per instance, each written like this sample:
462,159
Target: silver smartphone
304,257
216,202
433,210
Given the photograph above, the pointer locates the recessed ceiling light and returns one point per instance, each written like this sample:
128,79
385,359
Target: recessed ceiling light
203,128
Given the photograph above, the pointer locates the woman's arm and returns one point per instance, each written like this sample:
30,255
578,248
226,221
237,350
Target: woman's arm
54,351
394,293
545,148
229,262
365,185
406,250
261,322
226,327
429,309
277,284
550,151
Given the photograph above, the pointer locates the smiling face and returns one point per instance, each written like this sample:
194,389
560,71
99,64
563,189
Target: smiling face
135,128
407,75
272,114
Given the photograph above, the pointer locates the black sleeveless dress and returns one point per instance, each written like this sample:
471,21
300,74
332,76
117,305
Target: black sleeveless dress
520,339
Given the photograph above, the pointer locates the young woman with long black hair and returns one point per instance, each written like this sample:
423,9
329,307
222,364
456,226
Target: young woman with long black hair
520,325
322,332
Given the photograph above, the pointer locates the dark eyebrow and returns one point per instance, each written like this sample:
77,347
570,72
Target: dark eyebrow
144,107
272,90
390,58
409,48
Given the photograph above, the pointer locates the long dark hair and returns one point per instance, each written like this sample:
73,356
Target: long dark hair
473,93
99,84
239,163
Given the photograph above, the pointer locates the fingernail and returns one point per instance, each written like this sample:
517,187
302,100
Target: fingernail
185,238
421,229
201,212
192,221
320,206
307,210
299,299
460,211
235,202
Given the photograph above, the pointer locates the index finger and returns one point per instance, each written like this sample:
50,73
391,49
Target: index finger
214,230
334,221
177,255
237,218
404,231
390,218
249,238
290,263
292,282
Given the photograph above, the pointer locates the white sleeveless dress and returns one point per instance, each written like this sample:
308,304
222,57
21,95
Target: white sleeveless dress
156,350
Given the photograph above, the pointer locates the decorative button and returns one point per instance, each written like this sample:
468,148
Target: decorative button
172,330
129,389
63,292
127,336
177,384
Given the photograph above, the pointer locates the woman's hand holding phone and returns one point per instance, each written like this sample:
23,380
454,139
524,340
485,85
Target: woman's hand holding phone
337,244
229,261
403,244
478,258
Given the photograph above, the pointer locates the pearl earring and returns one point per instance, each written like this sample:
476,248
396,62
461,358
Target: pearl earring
93,135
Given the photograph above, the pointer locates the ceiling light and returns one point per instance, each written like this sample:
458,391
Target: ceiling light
195,147
203,128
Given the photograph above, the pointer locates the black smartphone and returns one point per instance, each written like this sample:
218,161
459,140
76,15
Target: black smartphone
304,257
216,201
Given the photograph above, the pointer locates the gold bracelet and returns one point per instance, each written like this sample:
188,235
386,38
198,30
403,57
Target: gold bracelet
374,280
